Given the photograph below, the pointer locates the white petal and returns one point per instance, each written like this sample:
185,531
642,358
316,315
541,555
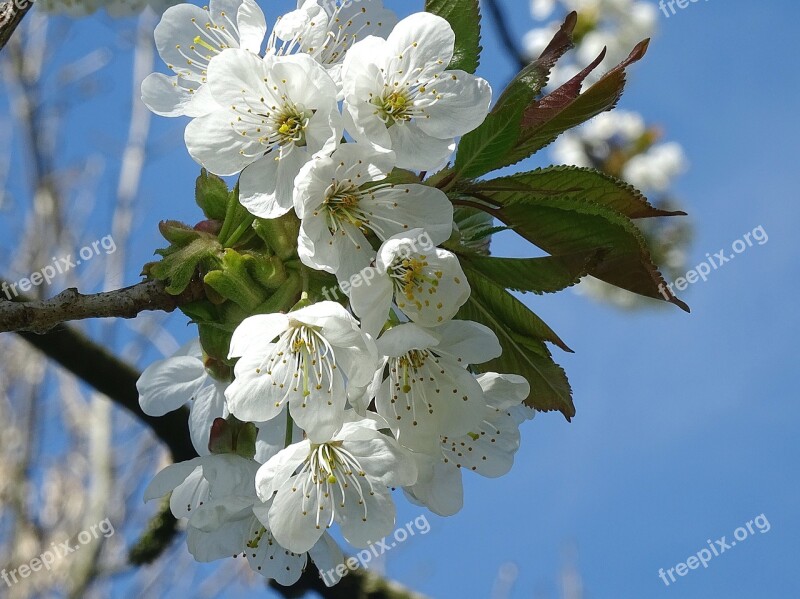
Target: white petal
256,334
421,46
295,516
462,105
359,529
320,414
326,555
189,495
418,151
253,398
168,384
372,302
271,438
473,342
272,475
164,96
170,477
401,208
273,561
263,185
503,391
384,461
252,26
443,492
228,540
214,143
208,405
402,338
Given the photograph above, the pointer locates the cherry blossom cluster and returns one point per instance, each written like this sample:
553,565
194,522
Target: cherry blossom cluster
350,401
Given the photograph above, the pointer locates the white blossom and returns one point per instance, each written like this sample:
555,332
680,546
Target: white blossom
325,30
488,449
216,495
427,284
343,478
187,38
425,390
274,115
316,349
340,199
400,96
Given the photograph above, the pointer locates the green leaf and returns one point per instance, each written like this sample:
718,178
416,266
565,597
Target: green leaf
585,183
464,17
212,194
522,335
537,275
180,263
484,149
564,225
566,107
234,282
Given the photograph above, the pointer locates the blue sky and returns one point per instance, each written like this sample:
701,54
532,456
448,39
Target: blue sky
687,424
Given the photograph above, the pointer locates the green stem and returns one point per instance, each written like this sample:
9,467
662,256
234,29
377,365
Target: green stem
230,214
289,429
243,228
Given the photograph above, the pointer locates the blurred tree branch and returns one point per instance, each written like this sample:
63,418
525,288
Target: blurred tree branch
504,31
358,584
11,14
42,316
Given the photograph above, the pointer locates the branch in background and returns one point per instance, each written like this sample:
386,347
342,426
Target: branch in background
11,14
43,316
112,377
358,584
504,31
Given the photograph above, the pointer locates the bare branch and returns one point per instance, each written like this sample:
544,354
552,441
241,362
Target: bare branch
11,14
43,316
358,584
504,31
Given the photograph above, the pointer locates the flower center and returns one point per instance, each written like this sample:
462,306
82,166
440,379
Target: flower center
395,107
290,126
411,274
413,361
334,471
342,203
310,356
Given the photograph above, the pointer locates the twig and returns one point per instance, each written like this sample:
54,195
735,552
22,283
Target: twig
43,316
358,584
112,377
11,14
504,31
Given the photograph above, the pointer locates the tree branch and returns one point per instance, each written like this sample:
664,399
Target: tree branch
358,584
504,31
112,377
43,316
11,14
